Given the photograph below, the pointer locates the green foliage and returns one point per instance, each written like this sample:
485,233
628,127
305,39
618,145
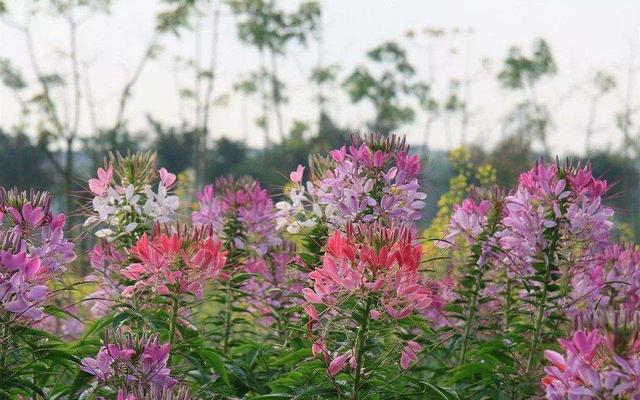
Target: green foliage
266,26
524,71
385,91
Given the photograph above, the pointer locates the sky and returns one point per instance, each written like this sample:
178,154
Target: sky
585,36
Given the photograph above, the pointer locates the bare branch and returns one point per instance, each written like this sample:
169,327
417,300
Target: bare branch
75,68
126,91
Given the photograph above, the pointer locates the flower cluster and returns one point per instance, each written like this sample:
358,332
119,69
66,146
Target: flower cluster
376,266
275,285
468,219
240,212
592,368
106,263
128,362
33,250
562,203
125,203
174,261
373,180
610,280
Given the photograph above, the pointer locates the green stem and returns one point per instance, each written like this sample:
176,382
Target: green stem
507,311
174,323
542,306
550,266
360,342
469,320
227,319
4,345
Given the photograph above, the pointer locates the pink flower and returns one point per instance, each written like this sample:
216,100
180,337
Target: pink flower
99,186
166,177
337,364
311,311
125,359
374,265
339,155
296,176
409,353
240,213
174,262
122,395
591,369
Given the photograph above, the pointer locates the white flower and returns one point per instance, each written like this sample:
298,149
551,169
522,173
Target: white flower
130,227
104,207
317,210
103,233
91,220
161,206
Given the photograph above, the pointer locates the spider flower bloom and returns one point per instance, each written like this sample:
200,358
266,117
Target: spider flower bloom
610,280
589,368
174,261
468,220
565,203
106,263
126,201
33,251
374,265
275,286
375,179
240,213
128,362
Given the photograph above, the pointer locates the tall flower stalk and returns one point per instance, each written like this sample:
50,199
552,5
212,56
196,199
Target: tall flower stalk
240,213
369,276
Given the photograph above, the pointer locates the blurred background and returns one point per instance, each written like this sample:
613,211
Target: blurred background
251,87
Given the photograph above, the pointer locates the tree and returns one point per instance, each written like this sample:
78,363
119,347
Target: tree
523,73
270,29
42,99
385,91
191,16
603,83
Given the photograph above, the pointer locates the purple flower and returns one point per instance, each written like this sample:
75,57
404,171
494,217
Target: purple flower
375,179
589,369
240,213
33,251
126,361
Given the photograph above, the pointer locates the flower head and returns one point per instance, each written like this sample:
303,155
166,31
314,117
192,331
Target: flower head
240,213
375,179
174,261
33,251
376,266
126,201
127,361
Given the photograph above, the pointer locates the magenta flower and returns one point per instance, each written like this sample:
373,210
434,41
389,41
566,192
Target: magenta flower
372,180
127,362
609,280
591,369
106,263
240,213
175,262
374,266
468,219
33,251
566,200
409,353
275,286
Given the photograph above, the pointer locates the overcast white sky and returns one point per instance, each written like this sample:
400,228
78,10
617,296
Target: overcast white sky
585,35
